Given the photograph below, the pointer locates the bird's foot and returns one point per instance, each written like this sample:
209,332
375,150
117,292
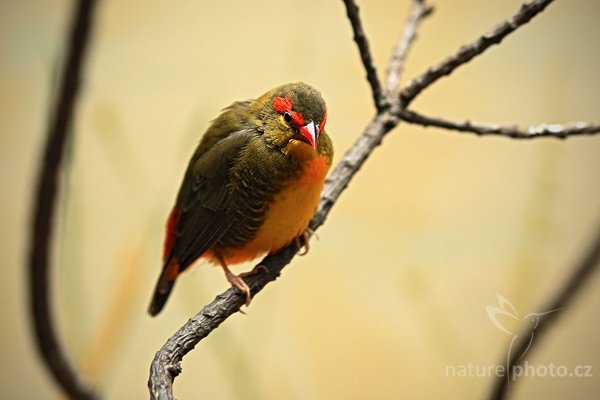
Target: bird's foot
302,241
237,281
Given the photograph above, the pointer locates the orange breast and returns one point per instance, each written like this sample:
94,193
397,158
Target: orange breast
289,214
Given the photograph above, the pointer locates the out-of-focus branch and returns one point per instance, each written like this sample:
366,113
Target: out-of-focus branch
418,11
560,300
44,207
365,53
561,131
467,52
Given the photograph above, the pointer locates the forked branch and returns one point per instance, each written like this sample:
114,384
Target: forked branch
471,50
418,11
390,111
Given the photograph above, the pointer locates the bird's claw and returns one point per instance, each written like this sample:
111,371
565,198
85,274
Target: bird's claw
235,280
239,283
302,241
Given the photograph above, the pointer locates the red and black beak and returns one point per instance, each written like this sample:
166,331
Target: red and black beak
308,133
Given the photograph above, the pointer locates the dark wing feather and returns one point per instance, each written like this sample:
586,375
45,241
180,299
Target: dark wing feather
203,199
201,215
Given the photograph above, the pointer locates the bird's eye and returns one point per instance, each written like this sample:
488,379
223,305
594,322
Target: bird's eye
287,117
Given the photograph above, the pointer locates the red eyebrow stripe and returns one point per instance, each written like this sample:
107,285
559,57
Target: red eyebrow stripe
298,119
282,104
322,124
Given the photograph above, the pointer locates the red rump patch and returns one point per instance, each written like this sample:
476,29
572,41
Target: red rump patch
171,270
170,234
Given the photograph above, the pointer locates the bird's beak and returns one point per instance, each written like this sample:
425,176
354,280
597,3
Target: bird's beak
308,133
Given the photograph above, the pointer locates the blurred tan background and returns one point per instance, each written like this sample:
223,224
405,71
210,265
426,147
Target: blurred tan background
430,231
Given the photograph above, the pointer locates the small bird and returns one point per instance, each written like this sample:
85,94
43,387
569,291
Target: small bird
251,187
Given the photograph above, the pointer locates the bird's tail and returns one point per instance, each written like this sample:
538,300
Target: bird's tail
163,288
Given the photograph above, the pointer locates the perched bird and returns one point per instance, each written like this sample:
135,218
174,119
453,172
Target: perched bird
251,187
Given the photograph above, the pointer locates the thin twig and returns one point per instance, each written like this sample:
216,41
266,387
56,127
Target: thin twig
560,131
166,364
559,301
44,209
365,53
418,11
467,52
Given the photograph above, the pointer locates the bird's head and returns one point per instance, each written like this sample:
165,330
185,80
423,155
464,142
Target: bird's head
291,116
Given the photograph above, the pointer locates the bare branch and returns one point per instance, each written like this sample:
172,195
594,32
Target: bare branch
41,232
561,300
167,361
418,11
166,364
467,52
561,131
365,52
352,161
